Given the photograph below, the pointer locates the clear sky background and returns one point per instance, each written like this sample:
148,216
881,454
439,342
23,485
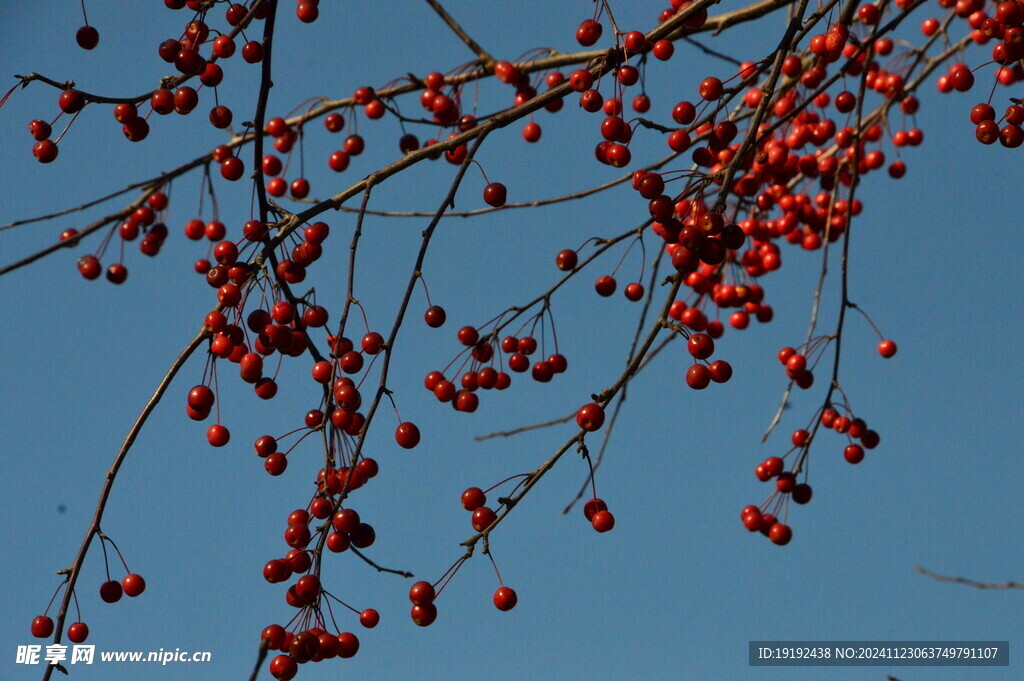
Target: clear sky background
678,588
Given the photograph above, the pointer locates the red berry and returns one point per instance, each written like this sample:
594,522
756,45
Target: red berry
780,534
853,453
531,132
603,521
408,435
590,417
473,498
133,585
802,493
698,376
252,53
88,38
217,435
710,89
424,615
505,599
592,507
45,151
483,517
468,336
773,466
495,194
78,632
110,591
663,50
542,372
89,266
40,130
117,273
283,668
435,316
700,346
588,33
232,169
605,286
634,292
421,593
721,371
372,343
71,101
369,618
42,627
887,348
566,260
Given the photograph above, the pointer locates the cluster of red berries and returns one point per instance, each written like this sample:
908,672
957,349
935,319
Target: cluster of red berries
131,585
855,429
185,55
797,368
42,627
315,644
423,596
699,376
111,591
597,514
767,524
305,643
474,500
479,376
758,518
1005,26
282,331
143,220
988,130
312,644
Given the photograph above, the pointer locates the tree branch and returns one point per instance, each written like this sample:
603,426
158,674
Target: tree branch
485,58
968,582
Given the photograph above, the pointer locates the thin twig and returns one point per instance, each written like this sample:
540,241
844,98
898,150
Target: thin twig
710,52
75,209
968,582
261,655
523,204
86,231
379,568
485,58
525,429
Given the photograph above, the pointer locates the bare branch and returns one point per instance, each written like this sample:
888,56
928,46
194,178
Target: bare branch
968,582
485,58
526,429
379,568
261,655
94,528
710,52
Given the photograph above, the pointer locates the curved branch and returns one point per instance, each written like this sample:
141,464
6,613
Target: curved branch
76,568
968,582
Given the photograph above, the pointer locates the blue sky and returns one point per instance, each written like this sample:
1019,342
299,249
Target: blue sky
678,588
